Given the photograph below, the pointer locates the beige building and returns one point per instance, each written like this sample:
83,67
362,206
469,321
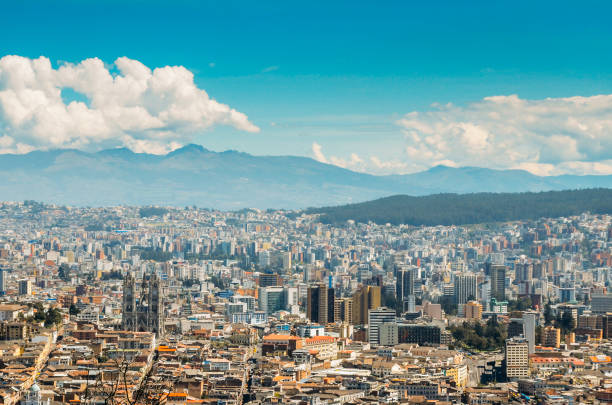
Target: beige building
473,310
517,358
551,337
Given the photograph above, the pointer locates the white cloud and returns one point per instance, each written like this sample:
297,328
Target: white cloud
269,69
149,110
354,162
549,136
317,151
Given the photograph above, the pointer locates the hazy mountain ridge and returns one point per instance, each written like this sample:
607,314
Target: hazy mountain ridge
230,180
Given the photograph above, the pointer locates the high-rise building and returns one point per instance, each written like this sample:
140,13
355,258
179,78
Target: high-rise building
148,315
318,304
601,303
404,287
529,325
343,310
498,281
387,334
3,277
465,288
517,358
364,299
25,287
551,337
377,317
271,299
286,260
523,271
331,299
269,280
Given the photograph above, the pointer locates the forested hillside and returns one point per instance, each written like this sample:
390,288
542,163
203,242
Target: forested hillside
461,209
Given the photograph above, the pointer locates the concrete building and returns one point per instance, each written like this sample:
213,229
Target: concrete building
601,303
551,337
465,288
473,310
376,317
498,281
388,334
25,287
517,358
364,299
319,300
529,325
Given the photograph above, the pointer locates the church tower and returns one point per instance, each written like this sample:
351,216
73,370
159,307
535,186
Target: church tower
156,308
128,321
147,313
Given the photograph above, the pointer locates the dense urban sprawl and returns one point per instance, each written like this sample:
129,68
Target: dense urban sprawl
151,305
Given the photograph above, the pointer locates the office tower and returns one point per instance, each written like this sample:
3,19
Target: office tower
318,304
601,303
551,337
286,260
517,358
567,293
291,298
376,317
404,287
529,325
25,287
343,310
330,305
538,270
148,315
498,282
411,304
464,288
265,259
269,280
473,310
523,271
271,299
419,334
3,277
387,334
364,299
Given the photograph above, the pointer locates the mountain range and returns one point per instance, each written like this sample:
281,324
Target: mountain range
193,175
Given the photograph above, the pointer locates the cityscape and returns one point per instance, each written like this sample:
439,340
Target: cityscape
188,305
305,203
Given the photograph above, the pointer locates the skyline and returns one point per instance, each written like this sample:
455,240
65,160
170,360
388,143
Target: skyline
360,87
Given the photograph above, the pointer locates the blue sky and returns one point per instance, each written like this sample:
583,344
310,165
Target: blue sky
342,75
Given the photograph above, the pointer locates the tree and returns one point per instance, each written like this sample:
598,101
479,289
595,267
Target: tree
64,272
474,335
39,315
448,305
521,304
73,310
548,315
53,316
218,282
567,322
118,383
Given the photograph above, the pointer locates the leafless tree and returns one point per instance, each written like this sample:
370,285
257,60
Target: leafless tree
118,384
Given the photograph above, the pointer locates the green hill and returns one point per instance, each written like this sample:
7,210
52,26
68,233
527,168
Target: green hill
461,209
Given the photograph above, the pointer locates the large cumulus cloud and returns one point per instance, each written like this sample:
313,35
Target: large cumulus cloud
549,136
126,104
